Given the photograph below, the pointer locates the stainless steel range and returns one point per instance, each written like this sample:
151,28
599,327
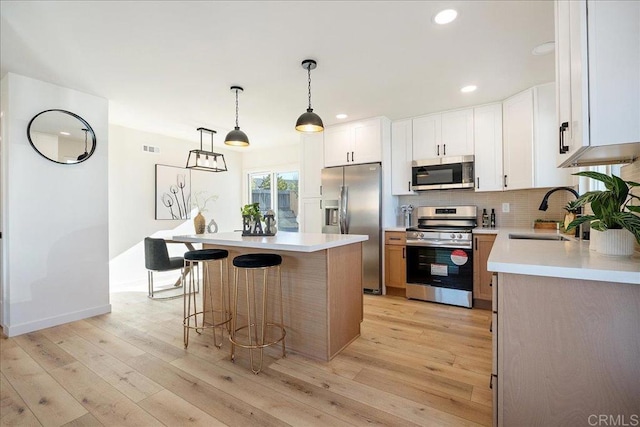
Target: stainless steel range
440,255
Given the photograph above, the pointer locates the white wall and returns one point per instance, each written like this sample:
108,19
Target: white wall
132,199
54,217
269,158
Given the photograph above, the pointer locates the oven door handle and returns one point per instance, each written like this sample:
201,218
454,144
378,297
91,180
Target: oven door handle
439,244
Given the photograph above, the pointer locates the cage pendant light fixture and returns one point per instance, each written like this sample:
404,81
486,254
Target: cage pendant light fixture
309,121
207,161
236,137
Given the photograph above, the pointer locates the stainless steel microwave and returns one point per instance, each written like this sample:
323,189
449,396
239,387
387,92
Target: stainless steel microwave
442,173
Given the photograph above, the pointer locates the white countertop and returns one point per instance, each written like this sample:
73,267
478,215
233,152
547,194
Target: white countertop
284,241
571,259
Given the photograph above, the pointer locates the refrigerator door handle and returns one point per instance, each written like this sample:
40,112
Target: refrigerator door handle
343,209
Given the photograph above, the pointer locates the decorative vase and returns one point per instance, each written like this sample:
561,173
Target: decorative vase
612,242
199,223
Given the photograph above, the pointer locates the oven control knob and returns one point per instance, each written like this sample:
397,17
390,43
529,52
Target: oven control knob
453,236
420,235
459,236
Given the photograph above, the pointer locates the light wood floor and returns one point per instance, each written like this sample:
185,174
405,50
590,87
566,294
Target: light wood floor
416,363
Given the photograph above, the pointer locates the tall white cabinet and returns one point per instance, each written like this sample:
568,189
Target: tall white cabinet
311,164
597,71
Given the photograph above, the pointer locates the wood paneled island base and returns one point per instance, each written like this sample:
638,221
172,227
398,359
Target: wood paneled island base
322,297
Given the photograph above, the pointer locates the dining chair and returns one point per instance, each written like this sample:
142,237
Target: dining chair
156,259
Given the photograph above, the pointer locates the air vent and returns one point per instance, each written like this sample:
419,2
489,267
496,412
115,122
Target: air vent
150,149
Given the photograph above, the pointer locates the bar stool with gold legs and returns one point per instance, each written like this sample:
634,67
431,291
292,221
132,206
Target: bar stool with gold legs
193,260
257,326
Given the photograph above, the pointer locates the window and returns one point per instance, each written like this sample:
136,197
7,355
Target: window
587,184
282,197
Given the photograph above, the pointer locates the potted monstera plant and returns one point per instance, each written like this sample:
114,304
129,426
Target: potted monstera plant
615,223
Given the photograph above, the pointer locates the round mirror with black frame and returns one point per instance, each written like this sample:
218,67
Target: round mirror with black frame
61,136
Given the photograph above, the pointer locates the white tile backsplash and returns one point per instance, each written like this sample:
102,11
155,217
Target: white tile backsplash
523,204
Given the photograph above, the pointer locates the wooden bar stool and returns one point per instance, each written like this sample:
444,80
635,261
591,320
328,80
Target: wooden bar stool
256,325
192,261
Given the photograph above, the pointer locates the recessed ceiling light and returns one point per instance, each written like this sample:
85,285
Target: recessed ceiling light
341,116
64,133
544,48
468,89
446,16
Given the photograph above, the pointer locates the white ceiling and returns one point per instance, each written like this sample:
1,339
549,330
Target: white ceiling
166,67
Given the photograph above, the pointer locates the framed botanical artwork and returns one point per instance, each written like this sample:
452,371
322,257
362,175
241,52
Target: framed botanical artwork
173,192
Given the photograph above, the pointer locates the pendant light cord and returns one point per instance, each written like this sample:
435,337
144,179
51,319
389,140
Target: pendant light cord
237,108
309,77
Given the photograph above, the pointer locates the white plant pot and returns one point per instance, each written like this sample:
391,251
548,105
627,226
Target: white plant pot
612,242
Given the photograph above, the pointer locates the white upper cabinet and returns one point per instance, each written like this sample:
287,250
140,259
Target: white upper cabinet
311,164
517,128
545,136
529,141
401,157
487,125
597,72
338,141
353,143
443,134
427,136
457,133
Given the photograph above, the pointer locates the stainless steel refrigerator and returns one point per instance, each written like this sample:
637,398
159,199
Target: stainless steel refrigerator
351,203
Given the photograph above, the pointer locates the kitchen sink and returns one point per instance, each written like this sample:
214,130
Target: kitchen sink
538,237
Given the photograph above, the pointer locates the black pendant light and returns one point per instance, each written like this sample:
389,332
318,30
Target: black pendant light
86,153
204,160
309,121
236,137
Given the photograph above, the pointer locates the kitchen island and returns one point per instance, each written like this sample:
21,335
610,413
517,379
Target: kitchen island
321,284
565,332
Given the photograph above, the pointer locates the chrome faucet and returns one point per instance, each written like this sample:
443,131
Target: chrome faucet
545,205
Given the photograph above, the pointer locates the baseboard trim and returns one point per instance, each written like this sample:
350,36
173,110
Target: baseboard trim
36,325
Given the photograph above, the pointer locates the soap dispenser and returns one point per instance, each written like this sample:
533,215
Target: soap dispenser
493,218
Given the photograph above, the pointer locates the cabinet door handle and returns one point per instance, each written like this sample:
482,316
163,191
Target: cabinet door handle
404,253
505,181
321,190
563,127
491,381
491,326
409,185
347,157
444,149
478,186
395,238
352,156
320,204
476,244
438,149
